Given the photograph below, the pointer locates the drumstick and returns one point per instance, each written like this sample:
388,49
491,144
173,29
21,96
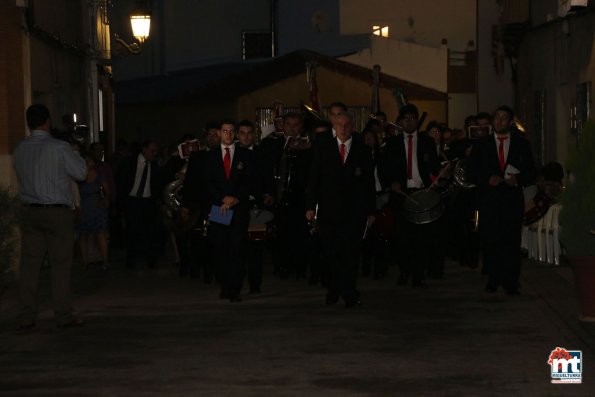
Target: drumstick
407,196
436,180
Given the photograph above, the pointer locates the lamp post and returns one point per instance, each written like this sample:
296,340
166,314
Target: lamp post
140,21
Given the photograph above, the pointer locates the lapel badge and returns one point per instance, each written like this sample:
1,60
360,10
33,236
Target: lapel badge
240,166
358,171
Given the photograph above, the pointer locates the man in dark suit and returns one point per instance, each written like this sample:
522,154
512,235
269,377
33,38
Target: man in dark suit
229,180
287,157
410,160
140,187
342,186
260,199
193,203
501,164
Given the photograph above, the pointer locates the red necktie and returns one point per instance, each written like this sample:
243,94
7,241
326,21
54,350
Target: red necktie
227,163
343,153
410,157
501,152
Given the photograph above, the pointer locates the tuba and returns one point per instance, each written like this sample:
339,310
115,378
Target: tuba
171,199
171,194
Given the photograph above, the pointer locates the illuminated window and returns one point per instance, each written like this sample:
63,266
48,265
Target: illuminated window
380,30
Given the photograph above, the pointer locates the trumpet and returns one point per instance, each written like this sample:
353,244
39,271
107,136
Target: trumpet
390,128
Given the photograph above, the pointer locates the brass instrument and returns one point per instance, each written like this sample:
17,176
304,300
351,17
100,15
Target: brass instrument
293,147
171,199
171,193
313,224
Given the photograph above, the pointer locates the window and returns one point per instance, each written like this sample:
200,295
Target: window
378,30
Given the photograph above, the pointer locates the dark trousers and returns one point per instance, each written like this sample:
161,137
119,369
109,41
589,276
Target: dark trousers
500,228
253,264
319,268
466,241
375,251
142,230
419,248
227,243
188,263
292,253
51,231
341,252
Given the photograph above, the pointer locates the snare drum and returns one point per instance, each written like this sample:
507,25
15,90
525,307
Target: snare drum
423,206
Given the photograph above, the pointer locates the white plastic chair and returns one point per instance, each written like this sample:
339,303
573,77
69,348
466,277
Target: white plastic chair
554,236
532,239
541,238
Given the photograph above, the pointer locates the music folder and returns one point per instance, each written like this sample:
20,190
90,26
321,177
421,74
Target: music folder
217,217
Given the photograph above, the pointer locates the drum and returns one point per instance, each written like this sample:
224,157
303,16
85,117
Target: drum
423,206
261,224
537,202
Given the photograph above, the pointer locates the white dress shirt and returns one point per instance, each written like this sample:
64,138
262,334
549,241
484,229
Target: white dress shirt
415,182
232,149
140,166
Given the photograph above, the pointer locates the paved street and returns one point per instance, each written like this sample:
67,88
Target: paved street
154,334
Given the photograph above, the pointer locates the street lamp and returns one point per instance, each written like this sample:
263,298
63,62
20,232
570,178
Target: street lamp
140,21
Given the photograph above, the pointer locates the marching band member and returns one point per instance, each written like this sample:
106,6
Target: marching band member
228,176
342,186
411,159
501,164
289,156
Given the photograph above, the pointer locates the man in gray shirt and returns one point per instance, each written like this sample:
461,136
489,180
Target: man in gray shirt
44,167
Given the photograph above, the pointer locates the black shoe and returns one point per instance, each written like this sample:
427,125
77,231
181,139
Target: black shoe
235,299
379,276
255,290
208,278
332,299
491,288
284,273
151,264
419,284
74,323
223,295
26,327
402,279
352,303
513,292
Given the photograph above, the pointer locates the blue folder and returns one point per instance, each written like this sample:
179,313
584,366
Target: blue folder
217,217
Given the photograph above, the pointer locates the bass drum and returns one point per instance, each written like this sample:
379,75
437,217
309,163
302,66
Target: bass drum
423,206
261,226
537,203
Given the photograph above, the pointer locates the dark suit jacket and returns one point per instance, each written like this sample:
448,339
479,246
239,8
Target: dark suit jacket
484,161
345,194
127,173
239,185
395,160
193,192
